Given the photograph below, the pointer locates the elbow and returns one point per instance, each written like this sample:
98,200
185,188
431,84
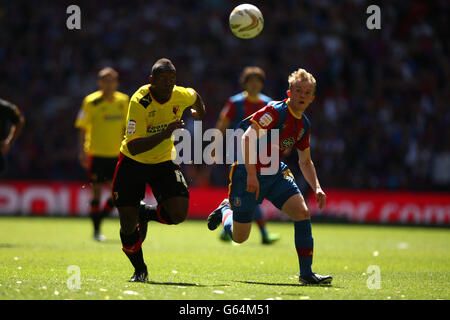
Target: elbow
21,123
305,163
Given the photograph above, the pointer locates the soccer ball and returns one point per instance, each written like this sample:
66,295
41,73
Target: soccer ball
246,21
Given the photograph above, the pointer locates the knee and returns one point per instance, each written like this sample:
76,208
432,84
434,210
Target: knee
303,214
178,216
240,238
177,211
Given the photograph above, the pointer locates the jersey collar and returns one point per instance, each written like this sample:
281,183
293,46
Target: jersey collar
292,111
151,95
250,99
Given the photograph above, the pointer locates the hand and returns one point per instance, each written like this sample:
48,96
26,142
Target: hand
82,157
213,155
321,198
195,113
4,147
253,185
173,126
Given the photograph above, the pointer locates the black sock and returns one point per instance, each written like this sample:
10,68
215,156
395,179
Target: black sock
131,246
95,214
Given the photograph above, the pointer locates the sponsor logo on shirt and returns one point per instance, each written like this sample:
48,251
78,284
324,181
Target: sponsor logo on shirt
156,129
265,120
112,117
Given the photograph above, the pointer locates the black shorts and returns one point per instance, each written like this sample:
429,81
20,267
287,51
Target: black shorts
131,177
101,169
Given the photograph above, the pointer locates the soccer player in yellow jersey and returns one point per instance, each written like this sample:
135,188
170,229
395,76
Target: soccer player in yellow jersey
101,121
154,112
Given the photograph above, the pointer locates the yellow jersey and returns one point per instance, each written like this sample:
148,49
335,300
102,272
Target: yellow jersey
147,117
103,122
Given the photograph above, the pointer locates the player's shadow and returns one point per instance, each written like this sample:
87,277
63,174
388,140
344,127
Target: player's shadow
283,284
184,284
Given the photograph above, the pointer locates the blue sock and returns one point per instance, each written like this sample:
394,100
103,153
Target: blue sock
304,243
258,217
227,220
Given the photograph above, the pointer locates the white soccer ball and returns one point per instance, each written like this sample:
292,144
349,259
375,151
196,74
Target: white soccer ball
246,21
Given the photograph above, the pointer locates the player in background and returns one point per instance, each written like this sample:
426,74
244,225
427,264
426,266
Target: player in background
241,106
11,125
101,124
248,186
155,111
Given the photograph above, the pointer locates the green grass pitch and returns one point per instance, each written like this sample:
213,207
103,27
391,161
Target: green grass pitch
189,262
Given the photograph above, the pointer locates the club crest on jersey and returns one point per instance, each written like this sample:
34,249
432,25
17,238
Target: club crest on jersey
265,120
131,127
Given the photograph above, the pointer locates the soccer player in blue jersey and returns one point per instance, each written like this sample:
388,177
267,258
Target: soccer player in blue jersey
249,185
241,106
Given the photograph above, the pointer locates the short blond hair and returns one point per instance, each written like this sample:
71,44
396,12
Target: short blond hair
301,75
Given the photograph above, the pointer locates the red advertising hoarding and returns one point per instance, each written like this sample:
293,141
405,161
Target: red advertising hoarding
72,199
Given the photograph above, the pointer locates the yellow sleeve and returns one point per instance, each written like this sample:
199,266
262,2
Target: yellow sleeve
189,96
136,122
83,116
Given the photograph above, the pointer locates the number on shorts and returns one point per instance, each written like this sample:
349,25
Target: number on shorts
180,177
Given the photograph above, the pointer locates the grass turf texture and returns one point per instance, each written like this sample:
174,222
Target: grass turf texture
189,262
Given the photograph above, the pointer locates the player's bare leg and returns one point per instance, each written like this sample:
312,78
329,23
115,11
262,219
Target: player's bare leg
239,232
171,211
109,204
176,209
266,236
295,207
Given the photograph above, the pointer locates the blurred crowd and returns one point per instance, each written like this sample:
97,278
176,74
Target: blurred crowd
381,116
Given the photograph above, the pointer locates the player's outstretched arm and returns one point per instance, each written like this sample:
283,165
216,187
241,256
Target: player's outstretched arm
249,140
198,109
309,172
82,156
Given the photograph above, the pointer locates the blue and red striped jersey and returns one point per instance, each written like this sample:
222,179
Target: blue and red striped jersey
239,107
293,130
